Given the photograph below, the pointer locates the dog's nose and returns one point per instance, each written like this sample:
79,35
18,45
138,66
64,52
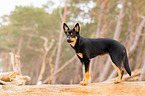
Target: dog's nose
68,40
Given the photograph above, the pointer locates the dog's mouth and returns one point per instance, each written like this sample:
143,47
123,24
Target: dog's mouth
69,41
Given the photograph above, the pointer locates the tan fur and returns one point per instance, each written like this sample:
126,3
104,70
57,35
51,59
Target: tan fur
119,73
86,77
80,55
74,41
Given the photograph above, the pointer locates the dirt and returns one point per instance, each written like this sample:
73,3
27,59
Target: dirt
93,89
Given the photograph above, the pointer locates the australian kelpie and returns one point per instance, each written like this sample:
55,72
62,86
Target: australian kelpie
87,48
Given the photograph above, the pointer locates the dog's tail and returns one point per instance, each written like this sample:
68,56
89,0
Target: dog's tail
125,62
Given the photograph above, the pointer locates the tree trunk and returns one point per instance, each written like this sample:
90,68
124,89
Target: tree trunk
139,58
20,44
78,67
46,50
60,69
60,42
116,37
99,26
137,37
142,76
98,34
120,20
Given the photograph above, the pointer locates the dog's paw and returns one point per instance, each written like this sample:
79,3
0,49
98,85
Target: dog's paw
83,83
117,81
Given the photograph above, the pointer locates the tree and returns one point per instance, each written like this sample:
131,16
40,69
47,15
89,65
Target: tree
25,26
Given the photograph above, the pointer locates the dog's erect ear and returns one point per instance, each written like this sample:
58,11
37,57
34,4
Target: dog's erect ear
65,27
77,28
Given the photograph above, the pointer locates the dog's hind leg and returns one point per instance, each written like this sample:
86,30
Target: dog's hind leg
120,73
116,62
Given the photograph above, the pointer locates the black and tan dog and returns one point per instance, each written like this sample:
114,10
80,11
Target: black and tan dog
86,49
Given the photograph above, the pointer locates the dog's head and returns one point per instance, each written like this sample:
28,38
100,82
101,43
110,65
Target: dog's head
71,34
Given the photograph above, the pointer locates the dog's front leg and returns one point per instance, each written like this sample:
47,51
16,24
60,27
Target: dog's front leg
86,66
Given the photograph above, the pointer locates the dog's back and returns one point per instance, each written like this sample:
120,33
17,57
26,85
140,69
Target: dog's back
100,46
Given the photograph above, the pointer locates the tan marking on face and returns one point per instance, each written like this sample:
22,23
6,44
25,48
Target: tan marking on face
119,74
71,33
67,33
74,41
80,55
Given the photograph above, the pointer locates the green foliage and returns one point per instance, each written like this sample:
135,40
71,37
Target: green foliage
29,23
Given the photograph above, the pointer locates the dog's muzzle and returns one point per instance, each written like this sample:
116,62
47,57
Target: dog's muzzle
69,41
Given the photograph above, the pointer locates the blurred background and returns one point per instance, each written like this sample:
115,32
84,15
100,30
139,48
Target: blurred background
33,30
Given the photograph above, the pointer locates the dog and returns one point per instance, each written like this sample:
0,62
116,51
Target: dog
87,49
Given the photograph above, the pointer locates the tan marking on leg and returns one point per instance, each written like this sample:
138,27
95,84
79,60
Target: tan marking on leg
80,55
119,74
121,68
74,41
86,77
83,70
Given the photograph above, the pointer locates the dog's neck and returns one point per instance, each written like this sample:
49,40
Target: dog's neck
78,44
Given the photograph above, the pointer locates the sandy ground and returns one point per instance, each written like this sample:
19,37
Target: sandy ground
93,89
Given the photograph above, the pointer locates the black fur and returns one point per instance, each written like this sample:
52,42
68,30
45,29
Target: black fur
91,48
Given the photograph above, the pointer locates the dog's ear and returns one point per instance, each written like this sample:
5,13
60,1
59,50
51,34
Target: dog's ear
77,28
65,27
